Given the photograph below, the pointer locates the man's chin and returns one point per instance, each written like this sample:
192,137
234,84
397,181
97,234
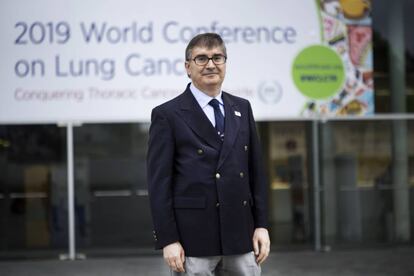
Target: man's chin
212,83
212,79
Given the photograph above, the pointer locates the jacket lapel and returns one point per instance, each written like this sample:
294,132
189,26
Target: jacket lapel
197,120
232,126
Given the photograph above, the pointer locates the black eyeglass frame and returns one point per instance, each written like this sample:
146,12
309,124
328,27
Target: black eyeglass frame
210,58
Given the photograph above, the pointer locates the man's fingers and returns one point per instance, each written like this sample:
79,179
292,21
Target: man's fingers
255,246
172,265
261,244
264,253
174,256
171,262
182,255
179,265
167,261
261,258
261,255
175,263
182,260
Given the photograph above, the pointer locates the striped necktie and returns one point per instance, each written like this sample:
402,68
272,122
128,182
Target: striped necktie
219,117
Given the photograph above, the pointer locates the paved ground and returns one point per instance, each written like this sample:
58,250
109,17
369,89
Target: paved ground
396,261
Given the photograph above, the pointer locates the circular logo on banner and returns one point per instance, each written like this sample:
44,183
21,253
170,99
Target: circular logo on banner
270,91
318,72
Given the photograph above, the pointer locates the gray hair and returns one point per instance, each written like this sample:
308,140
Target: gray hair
207,40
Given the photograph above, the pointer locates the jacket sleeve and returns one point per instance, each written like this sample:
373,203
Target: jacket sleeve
160,159
258,179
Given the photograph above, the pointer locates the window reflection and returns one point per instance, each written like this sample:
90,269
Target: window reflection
289,199
30,192
111,204
366,192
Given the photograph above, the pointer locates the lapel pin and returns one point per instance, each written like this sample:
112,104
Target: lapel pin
237,113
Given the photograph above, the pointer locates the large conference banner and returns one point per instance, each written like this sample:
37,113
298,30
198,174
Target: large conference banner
114,60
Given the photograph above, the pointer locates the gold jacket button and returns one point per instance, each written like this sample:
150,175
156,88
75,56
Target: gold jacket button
241,174
218,175
200,151
244,202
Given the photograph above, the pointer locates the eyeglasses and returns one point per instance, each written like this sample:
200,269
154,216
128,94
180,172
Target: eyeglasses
203,59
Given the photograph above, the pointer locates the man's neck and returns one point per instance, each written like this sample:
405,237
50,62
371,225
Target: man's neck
212,91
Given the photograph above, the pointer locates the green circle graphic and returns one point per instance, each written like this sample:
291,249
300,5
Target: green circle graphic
318,72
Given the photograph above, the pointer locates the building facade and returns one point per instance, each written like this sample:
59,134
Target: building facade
337,182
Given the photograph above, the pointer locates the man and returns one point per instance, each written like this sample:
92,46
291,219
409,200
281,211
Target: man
207,188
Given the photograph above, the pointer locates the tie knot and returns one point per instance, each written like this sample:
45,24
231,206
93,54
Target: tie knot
215,104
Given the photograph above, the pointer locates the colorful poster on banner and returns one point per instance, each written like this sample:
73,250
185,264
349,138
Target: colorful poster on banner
339,77
113,61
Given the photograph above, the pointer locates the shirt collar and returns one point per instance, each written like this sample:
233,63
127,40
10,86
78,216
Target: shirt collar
202,98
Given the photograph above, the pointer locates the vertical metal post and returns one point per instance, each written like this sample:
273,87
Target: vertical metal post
400,163
71,194
316,185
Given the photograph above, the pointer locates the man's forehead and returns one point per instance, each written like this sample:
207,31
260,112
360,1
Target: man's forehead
202,50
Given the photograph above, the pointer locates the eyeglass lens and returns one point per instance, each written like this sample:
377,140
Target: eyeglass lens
203,59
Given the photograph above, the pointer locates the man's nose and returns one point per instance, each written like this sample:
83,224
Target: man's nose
210,64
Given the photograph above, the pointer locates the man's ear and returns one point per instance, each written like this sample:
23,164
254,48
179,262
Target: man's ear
187,68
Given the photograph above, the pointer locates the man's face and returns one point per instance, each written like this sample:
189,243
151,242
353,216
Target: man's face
208,76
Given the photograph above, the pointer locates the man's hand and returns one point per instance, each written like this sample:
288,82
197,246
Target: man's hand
174,256
261,244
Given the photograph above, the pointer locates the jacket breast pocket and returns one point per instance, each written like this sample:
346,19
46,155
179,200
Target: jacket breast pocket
189,202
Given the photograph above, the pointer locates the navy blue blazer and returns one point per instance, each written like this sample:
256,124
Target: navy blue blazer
207,194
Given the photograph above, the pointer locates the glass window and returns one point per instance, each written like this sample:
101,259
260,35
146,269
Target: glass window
111,202
289,185
383,41
409,44
33,201
366,173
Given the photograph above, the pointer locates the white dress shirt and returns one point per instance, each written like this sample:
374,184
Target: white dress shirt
203,99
